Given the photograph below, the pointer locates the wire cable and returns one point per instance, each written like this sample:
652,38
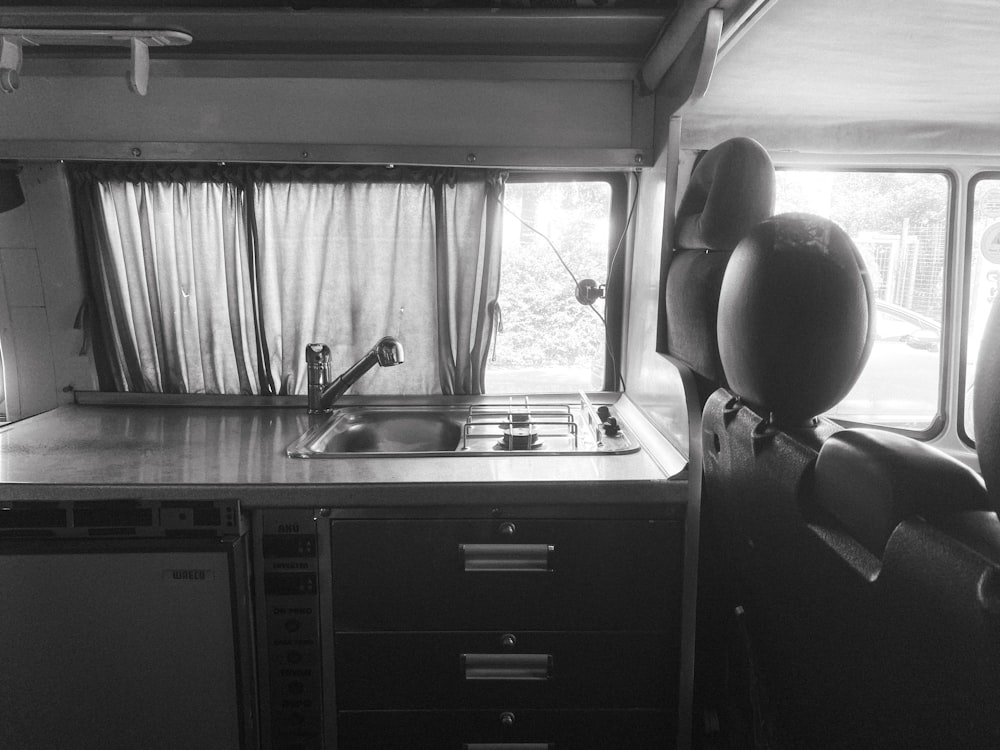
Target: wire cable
528,226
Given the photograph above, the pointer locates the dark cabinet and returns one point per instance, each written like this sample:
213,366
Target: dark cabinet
519,729
506,635
486,575
477,670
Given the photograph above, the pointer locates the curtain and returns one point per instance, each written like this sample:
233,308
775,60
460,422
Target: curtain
469,240
348,256
216,278
171,276
346,264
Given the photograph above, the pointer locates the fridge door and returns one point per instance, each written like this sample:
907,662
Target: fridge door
118,644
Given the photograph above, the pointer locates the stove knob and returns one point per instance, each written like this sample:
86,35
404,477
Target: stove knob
507,719
507,529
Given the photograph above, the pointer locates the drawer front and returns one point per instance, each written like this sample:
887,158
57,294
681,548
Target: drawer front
505,730
522,575
493,670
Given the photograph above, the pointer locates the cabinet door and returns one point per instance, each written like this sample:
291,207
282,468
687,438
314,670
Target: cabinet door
515,575
505,730
110,647
493,670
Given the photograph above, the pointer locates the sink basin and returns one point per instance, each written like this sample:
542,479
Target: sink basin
382,430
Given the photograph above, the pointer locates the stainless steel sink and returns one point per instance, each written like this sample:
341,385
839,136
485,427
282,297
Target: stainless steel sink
383,430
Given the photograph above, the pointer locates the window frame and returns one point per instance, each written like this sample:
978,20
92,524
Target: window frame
965,311
938,423
614,307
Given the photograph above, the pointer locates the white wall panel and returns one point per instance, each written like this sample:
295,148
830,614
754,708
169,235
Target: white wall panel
42,290
652,381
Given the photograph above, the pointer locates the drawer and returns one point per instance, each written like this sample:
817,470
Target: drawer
514,575
479,670
489,730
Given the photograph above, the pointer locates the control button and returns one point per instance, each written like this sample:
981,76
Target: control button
507,719
508,640
507,528
293,626
289,584
294,657
296,688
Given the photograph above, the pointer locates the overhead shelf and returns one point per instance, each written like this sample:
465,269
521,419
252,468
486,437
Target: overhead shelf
12,42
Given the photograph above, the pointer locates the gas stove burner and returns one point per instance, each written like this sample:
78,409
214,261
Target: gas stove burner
522,427
532,427
519,434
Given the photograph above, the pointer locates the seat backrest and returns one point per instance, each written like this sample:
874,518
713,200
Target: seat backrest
847,561
986,406
924,607
794,331
731,189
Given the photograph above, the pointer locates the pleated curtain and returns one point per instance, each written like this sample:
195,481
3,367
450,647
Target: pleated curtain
214,280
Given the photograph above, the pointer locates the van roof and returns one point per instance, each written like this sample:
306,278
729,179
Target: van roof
854,76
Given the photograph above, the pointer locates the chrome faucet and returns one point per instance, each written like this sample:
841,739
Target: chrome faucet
323,392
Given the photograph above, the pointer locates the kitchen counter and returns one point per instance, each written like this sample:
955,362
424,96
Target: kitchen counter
130,451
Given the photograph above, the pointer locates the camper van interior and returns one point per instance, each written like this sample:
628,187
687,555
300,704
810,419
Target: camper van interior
499,375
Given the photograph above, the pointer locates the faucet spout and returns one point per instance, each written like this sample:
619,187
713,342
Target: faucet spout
323,392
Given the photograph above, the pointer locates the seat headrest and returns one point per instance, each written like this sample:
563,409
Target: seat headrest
986,405
730,190
796,317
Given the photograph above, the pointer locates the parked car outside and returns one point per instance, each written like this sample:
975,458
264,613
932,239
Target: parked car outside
899,385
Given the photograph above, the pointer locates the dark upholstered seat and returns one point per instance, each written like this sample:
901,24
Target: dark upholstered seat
731,189
853,554
794,300
870,480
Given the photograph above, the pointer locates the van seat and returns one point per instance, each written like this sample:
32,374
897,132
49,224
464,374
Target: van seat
870,480
731,189
867,563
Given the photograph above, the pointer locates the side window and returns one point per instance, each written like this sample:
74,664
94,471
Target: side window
983,280
548,341
214,279
899,221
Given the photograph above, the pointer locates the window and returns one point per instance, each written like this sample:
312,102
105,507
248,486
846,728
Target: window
983,281
898,220
548,341
214,278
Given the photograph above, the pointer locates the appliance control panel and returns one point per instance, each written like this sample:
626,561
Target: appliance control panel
134,519
286,566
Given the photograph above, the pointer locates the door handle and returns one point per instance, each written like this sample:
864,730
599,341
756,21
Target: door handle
521,558
507,667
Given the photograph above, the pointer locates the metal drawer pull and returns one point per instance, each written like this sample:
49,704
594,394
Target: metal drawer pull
507,666
507,746
525,558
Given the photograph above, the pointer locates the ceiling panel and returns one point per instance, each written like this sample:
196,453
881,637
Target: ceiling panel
895,75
